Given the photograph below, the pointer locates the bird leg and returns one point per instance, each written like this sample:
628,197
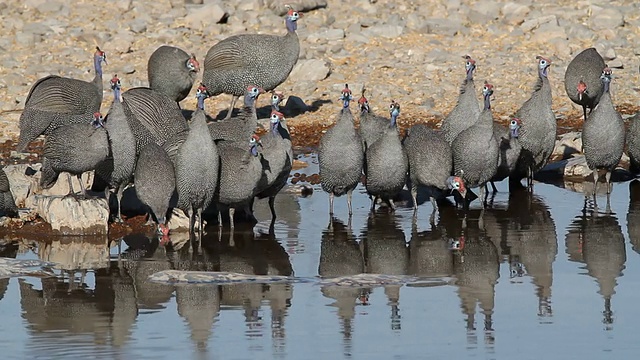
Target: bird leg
219,218
607,178
414,196
432,218
349,196
529,178
192,220
233,104
71,192
272,207
200,225
483,195
373,199
231,212
392,206
584,110
330,204
83,191
119,193
493,187
595,182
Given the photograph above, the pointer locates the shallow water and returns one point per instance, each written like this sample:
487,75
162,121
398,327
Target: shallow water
536,278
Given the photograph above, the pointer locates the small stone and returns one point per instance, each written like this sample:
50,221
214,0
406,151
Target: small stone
128,69
311,70
201,16
327,35
442,27
49,7
615,63
608,18
386,31
514,13
138,26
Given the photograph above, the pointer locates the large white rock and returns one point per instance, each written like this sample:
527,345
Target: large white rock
71,216
180,222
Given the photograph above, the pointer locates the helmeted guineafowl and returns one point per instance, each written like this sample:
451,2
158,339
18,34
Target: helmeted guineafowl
197,169
155,183
276,99
117,170
172,71
341,156
240,173
242,126
7,203
372,126
54,101
537,133
74,148
430,165
509,144
475,150
467,110
582,79
154,117
633,143
387,164
603,136
260,59
277,159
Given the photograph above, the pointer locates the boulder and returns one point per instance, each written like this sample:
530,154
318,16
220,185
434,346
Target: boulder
178,221
278,6
71,216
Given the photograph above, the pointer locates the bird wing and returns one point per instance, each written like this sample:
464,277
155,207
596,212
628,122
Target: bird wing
58,94
225,55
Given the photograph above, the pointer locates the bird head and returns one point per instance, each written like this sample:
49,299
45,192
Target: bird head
470,66
455,183
543,65
275,119
192,64
98,121
252,94
292,18
456,244
276,99
253,143
346,96
606,74
514,126
487,89
363,102
115,82
201,94
394,112
100,56
582,89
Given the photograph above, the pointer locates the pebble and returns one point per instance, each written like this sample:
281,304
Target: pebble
311,70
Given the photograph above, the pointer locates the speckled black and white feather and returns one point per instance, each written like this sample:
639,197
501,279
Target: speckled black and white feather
197,166
259,59
633,143
154,117
74,149
341,156
54,101
587,66
154,180
430,157
467,109
7,202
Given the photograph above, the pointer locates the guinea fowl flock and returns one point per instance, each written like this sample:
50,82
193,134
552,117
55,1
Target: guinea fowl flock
190,163
470,149
146,141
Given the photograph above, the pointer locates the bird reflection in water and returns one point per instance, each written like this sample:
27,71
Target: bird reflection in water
476,269
633,215
532,244
601,243
340,255
385,251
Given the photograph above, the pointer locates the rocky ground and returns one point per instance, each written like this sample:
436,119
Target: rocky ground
410,51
